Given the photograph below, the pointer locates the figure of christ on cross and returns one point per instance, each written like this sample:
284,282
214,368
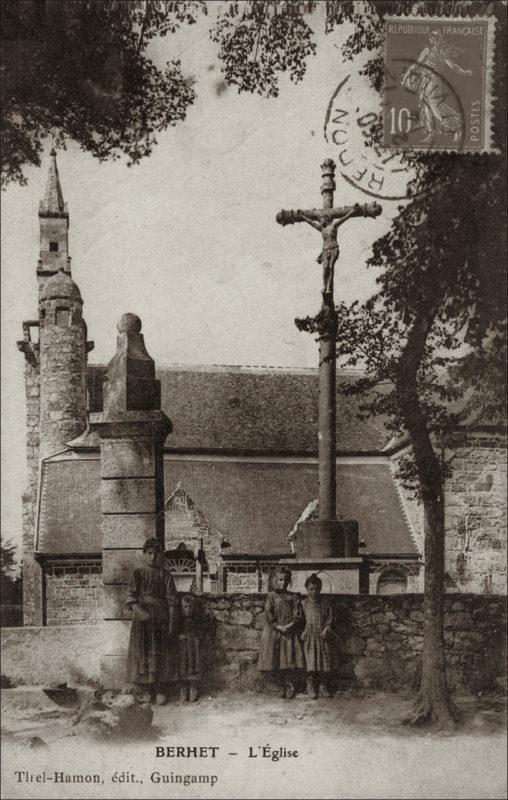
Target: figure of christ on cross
328,227
327,221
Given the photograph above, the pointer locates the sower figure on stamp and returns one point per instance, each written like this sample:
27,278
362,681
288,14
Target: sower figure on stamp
328,227
425,78
153,601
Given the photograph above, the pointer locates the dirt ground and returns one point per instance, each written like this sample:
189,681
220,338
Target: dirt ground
347,747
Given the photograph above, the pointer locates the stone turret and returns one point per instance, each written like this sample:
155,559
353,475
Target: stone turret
62,352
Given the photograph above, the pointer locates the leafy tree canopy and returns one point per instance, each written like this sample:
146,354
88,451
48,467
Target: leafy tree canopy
80,70
7,558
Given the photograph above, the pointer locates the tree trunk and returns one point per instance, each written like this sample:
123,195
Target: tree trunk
433,705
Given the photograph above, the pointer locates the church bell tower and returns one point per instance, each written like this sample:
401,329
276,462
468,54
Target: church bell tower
54,228
55,349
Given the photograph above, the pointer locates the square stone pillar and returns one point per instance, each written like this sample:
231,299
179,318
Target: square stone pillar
132,430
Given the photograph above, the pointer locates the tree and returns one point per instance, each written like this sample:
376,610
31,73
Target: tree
81,70
10,582
443,287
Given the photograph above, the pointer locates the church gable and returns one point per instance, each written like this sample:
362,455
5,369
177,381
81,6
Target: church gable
185,525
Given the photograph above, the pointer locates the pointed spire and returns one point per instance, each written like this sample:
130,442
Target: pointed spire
53,202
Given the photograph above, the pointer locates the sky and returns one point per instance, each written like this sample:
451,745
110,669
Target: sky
187,239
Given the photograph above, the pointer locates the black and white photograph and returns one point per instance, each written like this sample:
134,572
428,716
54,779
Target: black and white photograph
253,399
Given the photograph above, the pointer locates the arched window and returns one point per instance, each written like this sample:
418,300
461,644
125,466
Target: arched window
392,581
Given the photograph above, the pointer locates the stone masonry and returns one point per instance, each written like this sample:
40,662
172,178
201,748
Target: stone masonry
132,430
32,578
63,348
379,644
74,599
476,513
186,524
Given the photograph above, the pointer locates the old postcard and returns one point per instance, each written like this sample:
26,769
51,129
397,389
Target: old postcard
253,399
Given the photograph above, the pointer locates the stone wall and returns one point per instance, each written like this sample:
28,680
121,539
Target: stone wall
248,578
379,640
476,513
63,361
32,579
73,593
379,644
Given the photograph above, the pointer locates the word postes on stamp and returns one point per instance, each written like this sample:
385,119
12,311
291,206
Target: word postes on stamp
437,79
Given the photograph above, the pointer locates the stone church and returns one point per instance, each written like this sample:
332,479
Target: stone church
240,469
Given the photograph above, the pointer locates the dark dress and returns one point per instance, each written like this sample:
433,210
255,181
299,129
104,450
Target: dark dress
188,663
319,653
280,650
149,656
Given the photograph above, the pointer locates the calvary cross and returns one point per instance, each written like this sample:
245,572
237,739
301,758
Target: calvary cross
327,221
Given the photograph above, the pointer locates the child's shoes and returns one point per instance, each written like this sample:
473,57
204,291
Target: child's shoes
290,690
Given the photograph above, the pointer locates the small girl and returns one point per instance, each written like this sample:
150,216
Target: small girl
280,650
317,647
188,667
152,599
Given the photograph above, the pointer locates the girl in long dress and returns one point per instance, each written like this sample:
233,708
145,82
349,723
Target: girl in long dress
153,601
190,632
317,638
280,649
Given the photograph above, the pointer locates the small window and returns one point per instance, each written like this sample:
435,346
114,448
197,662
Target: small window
392,581
53,247
62,317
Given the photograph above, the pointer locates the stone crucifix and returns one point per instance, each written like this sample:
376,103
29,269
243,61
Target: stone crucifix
327,221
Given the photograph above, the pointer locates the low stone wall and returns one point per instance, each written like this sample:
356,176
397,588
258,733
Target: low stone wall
379,640
379,644
39,655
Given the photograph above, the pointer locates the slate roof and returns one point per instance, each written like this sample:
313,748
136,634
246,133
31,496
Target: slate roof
232,409
253,505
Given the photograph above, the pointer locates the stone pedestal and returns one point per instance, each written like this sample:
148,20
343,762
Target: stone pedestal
132,430
339,575
330,548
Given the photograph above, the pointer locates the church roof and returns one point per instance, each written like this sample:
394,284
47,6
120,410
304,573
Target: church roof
253,504
240,409
61,285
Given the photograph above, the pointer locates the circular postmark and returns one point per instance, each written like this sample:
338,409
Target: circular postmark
377,171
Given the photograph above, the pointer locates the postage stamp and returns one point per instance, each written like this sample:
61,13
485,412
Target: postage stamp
437,83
